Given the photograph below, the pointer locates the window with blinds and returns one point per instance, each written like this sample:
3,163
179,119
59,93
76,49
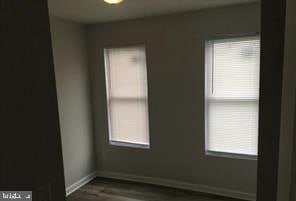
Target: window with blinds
232,95
126,82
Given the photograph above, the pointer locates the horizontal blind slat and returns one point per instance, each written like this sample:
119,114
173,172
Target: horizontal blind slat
127,95
127,72
235,71
232,95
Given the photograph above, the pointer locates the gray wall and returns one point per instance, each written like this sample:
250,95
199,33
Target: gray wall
30,150
286,175
73,89
175,60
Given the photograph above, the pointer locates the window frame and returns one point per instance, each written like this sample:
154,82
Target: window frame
208,63
108,99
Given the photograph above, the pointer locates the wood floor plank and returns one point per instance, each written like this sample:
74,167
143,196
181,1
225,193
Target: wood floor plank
102,189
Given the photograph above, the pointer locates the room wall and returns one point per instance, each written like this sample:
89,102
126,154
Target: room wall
73,90
271,81
30,150
175,62
287,159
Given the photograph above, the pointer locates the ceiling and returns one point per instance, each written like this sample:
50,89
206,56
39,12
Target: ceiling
94,11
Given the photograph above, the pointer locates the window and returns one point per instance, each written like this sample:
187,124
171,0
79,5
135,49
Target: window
232,95
127,97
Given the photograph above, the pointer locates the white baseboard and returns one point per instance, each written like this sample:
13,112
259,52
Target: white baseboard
70,189
180,185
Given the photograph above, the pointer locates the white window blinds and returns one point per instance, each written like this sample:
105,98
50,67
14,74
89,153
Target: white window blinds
126,81
232,95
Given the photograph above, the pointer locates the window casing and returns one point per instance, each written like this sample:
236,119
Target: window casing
232,96
127,96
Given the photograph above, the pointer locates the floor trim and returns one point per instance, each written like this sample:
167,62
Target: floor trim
180,185
70,189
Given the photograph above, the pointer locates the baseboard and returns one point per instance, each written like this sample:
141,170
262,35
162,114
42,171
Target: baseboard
70,189
180,185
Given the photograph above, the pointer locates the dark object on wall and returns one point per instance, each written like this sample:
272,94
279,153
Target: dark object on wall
31,156
272,59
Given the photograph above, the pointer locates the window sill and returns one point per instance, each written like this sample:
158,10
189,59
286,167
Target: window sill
128,144
231,155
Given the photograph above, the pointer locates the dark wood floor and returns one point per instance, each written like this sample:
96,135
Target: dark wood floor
101,189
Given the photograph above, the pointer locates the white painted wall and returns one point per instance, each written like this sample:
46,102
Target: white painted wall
73,90
175,63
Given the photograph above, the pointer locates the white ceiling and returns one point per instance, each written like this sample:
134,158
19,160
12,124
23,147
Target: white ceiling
93,11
